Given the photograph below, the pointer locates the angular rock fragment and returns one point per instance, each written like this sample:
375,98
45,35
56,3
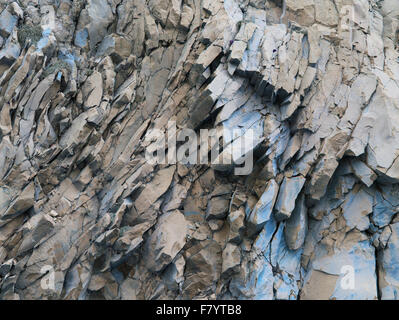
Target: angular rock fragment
237,225
166,241
356,208
9,54
203,268
296,226
364,173
8,21
218,208
287,196
38,228
21,204
264,208
231,259
155,189
115,46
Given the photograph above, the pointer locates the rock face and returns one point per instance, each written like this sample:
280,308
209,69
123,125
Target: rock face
88,87
166,241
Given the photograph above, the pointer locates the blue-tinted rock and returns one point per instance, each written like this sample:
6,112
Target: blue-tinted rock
363,172
388,263
334,267
81,38
255,281
7,23
286,287
288,264
263,209
262,241
383,211
282,257
356,208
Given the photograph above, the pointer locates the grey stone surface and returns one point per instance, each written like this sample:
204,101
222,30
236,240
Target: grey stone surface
96,82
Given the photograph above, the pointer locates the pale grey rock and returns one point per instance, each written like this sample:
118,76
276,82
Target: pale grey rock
236,221
363,172
35,230
155,189
9,54
385,236
289,262
20,204
215,224
264,208
92,90
383,210
203,268
255,282
231,259
241,42
174,274
166,241
289,191
129,289
326,12
187,15
357,254
264,238
296,226
203,105
356,208
8,21
292,148
95,19
218,208
175,198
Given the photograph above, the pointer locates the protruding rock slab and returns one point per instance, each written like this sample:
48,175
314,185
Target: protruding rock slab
168,238
289,191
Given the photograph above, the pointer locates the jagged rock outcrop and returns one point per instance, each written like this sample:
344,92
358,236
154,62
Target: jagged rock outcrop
88,87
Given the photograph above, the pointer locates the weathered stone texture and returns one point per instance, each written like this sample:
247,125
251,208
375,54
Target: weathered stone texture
85,86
